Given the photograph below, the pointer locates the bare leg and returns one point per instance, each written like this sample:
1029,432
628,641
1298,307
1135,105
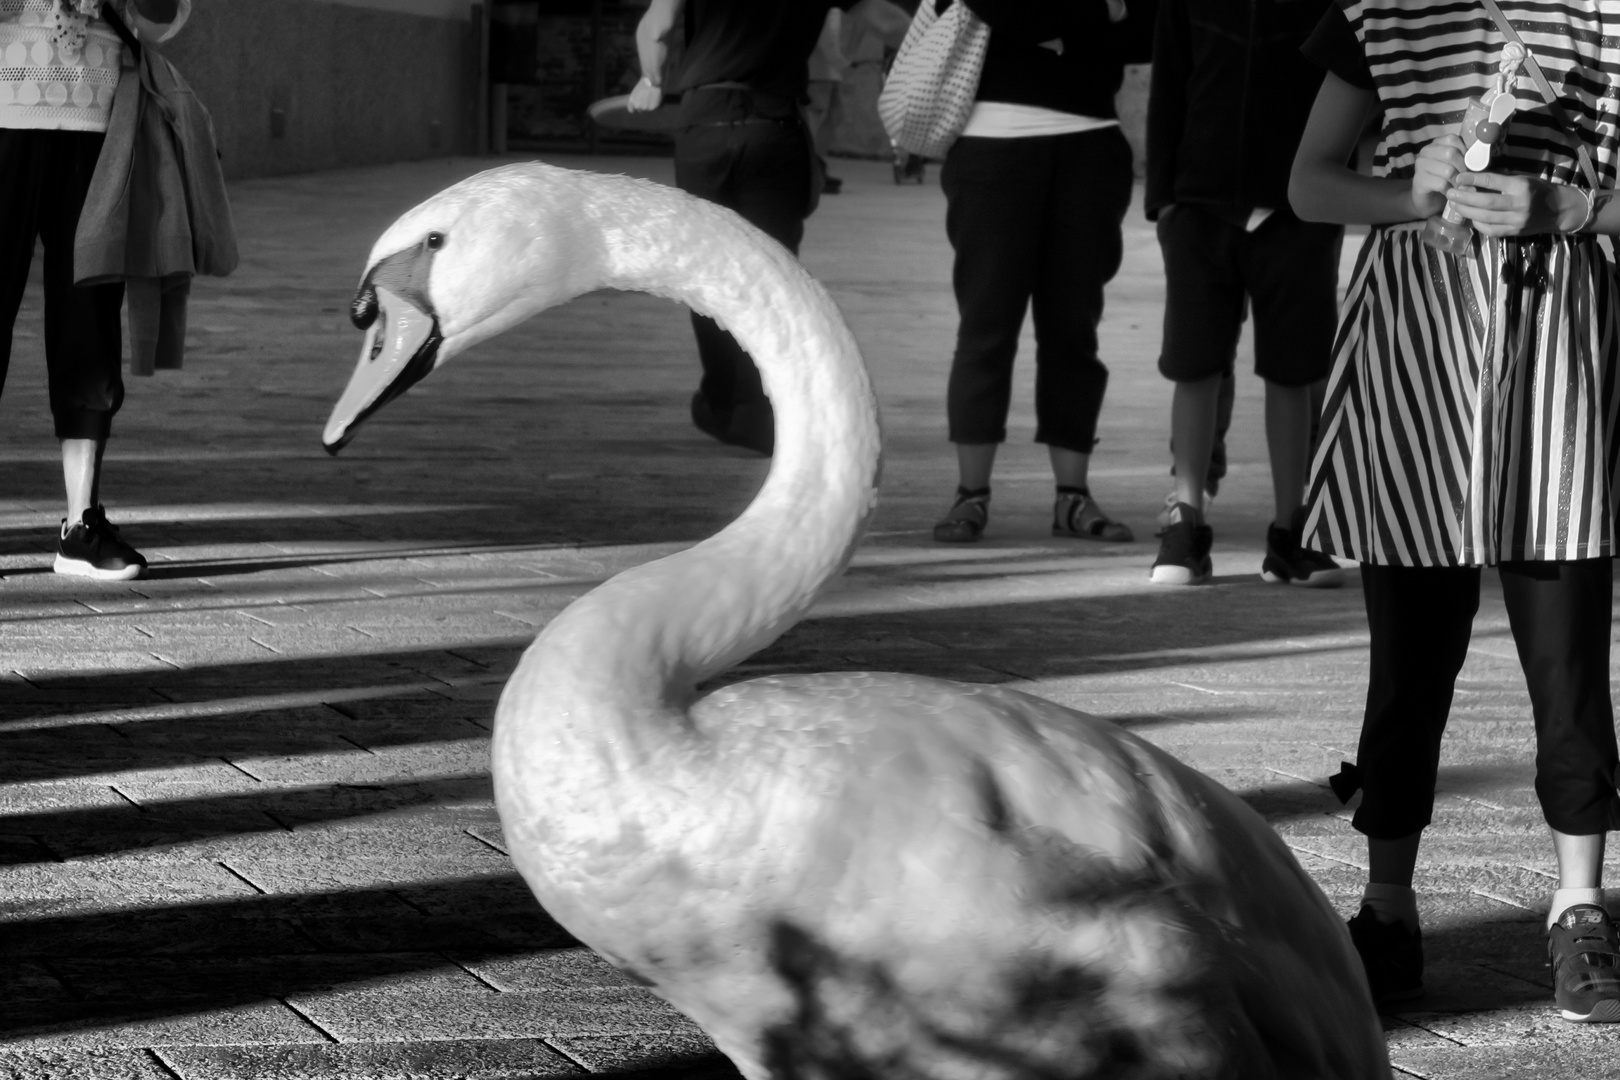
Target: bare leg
1070,468
1580,860
973,464
1288,437
81,474
1192,431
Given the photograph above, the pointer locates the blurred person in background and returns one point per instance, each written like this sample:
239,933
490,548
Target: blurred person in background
1036,189
1230,96
743,143
61,67
822,108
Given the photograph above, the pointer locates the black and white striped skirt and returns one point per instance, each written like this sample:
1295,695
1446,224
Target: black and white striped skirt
1471,414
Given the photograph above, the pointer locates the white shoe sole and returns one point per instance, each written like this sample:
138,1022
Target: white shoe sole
1172,574
1604,1012
80,568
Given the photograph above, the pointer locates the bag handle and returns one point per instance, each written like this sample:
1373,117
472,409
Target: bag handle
122,29
142,67
1540,79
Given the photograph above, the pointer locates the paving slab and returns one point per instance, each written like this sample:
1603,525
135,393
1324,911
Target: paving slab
246,827
51,1063
450,1059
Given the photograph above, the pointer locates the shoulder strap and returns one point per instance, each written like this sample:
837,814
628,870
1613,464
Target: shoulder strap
122,29
1540,79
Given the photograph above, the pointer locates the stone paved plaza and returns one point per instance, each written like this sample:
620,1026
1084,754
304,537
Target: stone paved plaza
245,816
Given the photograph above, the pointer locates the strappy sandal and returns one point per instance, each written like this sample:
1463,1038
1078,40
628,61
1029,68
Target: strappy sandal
1076,513
964,522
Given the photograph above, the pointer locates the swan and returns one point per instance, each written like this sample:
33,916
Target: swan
843,875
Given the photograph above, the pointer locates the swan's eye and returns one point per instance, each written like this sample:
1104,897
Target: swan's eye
363,310
435,241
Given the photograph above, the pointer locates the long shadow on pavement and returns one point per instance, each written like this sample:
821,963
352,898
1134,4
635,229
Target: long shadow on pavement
46,837
60,974
99,831
65,972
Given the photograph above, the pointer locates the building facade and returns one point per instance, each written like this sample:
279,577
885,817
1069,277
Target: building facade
304,85
300,85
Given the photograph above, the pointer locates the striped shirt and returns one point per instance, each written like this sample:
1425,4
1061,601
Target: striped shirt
1473,411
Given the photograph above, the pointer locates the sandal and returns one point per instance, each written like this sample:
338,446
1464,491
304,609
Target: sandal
964,522
1076,513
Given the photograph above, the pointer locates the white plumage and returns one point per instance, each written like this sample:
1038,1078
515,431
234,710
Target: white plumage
848,875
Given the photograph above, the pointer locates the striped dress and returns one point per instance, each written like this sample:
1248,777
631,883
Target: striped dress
1471,414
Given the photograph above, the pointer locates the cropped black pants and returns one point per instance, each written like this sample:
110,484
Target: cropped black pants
44,176
1035,222
1421,619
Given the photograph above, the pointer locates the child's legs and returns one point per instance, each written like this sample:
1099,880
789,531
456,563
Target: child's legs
1288,441
1292,270
1561,614
1420,619
1203,317
1194,429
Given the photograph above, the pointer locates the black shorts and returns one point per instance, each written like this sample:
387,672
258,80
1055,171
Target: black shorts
1288,268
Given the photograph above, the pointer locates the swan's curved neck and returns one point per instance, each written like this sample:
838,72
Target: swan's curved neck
636,646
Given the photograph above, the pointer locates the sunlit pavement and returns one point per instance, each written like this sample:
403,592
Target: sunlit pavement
245,818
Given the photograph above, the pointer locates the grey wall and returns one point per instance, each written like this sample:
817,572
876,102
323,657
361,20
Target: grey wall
356,85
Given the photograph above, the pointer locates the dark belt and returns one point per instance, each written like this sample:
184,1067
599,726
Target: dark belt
728,104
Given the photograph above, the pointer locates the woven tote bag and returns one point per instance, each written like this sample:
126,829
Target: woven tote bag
929,93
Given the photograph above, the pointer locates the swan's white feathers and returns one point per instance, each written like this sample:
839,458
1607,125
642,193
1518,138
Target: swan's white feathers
1045,842
857,877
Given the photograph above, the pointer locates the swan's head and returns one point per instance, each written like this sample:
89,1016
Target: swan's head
471,262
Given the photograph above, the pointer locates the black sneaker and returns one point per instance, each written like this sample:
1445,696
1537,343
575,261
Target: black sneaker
1584,951
1287,563
1184,549
92,549
1392,956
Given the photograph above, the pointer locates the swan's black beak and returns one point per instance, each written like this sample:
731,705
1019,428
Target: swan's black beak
401,346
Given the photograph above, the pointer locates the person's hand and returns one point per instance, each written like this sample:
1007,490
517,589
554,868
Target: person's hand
1435,174
646,96
1500,205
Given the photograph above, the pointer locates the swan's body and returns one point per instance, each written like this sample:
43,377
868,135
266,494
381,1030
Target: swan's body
844,876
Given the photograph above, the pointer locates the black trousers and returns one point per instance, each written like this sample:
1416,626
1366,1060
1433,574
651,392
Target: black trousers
1421,618
44,176
1035,222
754,156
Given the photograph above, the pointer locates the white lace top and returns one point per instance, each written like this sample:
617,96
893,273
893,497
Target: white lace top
59,62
